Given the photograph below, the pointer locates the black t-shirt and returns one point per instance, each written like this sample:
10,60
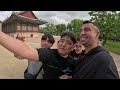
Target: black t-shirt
74,54
96,64
54,64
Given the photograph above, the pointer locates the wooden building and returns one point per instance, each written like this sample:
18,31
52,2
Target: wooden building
24,22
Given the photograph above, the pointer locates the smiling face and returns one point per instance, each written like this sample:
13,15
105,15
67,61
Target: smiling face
78,46
65,46
46,43
88,36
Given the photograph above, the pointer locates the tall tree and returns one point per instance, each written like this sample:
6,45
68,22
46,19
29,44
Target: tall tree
50,28
60,28
74,26
105,20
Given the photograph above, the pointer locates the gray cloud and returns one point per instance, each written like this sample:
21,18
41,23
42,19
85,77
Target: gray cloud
4,14
55,17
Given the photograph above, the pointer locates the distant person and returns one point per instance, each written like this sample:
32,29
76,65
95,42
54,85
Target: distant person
56,61
33,70
77,50
20,37
17,36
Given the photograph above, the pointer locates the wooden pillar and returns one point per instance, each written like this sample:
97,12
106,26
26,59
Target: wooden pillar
32,27
21,27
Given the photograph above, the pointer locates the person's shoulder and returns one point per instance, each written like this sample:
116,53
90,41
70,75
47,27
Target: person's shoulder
47,53
42,50
51,51
104,54
104,57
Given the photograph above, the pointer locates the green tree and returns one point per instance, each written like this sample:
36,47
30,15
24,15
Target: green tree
50,28
106,21
74,26
60,28
117,27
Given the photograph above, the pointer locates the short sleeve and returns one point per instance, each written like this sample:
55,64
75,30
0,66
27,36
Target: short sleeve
43,54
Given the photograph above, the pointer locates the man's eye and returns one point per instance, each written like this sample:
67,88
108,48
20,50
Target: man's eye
49,41
61,40
87,30
69,43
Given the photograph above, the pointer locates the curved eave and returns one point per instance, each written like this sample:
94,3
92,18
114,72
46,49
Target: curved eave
24,20
31,21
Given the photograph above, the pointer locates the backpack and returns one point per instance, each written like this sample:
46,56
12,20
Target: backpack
33,69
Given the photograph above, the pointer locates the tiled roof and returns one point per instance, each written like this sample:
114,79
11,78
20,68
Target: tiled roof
16,16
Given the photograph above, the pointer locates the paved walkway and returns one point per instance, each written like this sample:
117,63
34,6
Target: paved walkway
117,60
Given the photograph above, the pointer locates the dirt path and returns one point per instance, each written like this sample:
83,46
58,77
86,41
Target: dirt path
13,68
117,60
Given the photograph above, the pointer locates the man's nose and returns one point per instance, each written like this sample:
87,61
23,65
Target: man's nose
64,43
82,32
46,42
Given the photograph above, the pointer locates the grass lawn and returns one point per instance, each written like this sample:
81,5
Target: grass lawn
113,47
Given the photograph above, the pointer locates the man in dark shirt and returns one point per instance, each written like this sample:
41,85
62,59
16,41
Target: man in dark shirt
94,62
56,62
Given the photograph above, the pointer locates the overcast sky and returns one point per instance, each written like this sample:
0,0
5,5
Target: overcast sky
55,17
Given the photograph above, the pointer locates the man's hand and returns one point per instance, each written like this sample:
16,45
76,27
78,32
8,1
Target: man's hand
65,77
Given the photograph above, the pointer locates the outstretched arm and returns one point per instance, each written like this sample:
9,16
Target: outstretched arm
18,47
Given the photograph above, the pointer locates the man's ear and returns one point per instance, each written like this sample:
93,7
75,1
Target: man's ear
97,35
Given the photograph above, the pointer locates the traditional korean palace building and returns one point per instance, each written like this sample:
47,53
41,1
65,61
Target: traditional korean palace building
25,23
